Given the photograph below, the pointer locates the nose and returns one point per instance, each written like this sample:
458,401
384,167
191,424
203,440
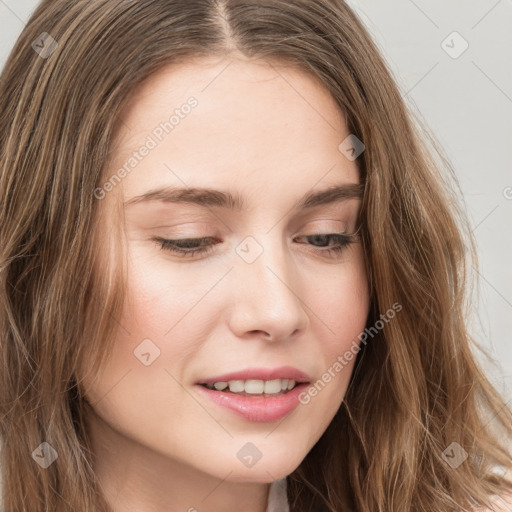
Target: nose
267,300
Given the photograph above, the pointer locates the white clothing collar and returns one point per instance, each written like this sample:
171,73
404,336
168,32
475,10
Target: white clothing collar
277,498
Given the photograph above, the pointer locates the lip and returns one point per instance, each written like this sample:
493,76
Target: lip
282,372
256,408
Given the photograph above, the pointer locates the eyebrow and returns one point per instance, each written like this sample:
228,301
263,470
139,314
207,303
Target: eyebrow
223,199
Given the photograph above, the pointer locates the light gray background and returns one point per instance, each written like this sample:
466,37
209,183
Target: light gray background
467,103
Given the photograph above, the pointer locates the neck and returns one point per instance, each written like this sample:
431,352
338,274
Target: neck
133,477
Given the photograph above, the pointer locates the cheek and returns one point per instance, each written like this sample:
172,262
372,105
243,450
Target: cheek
343,303
162,295
157,319
341,306
168,306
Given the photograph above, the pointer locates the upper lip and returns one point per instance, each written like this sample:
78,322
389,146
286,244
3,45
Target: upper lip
282,372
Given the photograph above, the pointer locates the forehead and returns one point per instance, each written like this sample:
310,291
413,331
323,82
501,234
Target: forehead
258,125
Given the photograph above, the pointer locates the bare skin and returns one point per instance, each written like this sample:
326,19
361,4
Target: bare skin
270,134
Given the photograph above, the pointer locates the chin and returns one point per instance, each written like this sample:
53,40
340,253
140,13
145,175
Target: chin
266,470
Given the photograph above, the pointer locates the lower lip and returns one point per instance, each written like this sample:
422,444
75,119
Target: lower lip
257,408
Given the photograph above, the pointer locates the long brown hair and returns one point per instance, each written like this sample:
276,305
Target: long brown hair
416,391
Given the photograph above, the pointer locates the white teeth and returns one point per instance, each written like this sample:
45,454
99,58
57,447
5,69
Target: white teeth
236,386
254,386
273,386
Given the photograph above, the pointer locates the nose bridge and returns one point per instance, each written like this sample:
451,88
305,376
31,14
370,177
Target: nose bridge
267,288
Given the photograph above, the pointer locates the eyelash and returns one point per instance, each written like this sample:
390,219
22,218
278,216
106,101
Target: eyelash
344,241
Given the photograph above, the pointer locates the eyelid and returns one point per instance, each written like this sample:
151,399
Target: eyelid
343,224
324,227
304,232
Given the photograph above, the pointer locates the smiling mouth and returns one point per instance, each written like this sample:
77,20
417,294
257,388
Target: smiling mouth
254,387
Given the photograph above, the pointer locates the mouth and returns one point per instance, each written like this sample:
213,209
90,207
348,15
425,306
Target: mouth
253,387
257,382
247,399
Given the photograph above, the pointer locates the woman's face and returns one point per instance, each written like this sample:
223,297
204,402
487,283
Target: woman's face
265,296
